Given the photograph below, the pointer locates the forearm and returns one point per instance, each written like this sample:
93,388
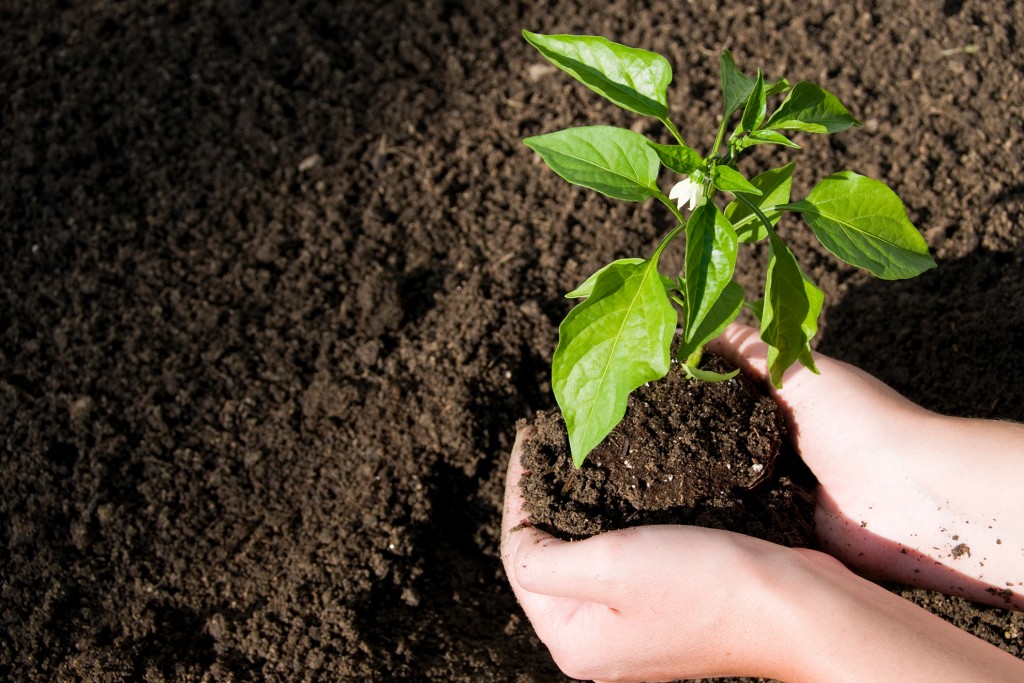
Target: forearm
945,514
845,628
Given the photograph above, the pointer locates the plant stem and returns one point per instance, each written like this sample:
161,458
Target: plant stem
757,211
672,207
672,129
720,136
668,238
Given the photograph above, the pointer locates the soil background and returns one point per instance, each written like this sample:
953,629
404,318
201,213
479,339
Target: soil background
278,278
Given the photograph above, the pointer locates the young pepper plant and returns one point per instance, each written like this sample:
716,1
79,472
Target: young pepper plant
620,336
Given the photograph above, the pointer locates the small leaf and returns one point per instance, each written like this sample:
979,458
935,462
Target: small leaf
729,179
678,158
615,341
863,222
812,109
614,161
634,79
778,87
709,375
754,111
789,317
775,186
762,137
723,312
710,260
614,267
736,86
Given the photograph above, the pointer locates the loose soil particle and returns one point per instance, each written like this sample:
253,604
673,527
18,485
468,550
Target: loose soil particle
255,408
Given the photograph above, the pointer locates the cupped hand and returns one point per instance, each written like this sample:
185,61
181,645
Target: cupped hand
904,494
654,603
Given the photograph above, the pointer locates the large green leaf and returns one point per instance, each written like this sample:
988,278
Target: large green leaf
615,267
632,78
863,222
736,86
789,314
723,312
711,247
775,186
614,161
612,343
810,108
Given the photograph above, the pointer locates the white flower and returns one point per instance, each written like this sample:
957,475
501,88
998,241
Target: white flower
686,191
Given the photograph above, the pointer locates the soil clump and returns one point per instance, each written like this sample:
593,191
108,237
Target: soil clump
686,452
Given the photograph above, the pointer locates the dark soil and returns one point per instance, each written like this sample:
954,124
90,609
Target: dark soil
277,279
686,452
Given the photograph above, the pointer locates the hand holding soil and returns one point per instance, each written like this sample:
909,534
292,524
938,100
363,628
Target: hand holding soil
904,494
901,497
648,603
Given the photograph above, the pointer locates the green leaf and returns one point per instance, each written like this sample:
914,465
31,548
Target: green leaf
614,268
778,87
754,111
789,317
775,186
736,86
806,359
678,158
730,180
723,312
709,375
761,137
612,343
863,222
614,161
756,308
710,260
632,78
812,109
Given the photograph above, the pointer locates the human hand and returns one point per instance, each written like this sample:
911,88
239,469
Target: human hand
654,603
661,603
903,495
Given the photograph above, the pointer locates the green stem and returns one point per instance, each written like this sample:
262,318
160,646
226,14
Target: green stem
672,129
668,238
671,207
720,136
757,211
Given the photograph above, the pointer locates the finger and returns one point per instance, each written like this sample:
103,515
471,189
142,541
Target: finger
514,513
800,388
515,521
595,570
742,346
547,574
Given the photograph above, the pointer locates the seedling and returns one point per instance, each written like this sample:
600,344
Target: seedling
620,336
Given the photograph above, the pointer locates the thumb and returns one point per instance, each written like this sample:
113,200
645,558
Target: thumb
742,346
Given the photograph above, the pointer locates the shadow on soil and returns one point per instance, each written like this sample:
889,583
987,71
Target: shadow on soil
947,340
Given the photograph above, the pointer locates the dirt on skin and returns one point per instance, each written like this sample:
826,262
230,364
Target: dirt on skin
277,279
